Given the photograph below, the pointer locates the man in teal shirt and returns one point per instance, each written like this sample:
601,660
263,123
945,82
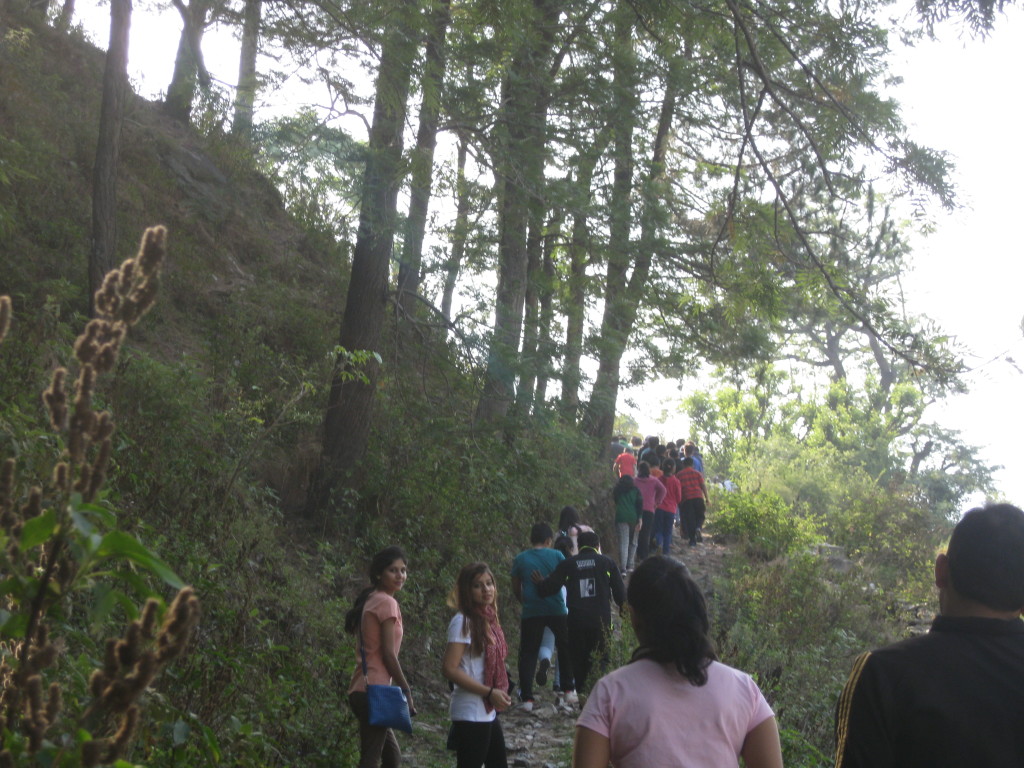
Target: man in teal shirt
540,612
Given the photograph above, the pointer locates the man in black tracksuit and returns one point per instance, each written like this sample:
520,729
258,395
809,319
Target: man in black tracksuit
591,580
953,698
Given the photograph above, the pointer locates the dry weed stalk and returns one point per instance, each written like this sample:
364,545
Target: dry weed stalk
134,660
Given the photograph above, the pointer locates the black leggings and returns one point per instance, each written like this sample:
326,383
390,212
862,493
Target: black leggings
478,744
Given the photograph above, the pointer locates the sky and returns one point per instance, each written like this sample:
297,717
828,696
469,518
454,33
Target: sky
959,94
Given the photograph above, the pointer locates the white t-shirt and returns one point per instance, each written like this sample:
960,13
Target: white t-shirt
653,716
466,705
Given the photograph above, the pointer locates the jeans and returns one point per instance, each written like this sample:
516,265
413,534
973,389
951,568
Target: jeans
693,517
478,744
663,522
531,632
643,545
627,545
378,747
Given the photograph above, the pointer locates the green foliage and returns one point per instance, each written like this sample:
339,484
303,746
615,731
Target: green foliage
763,523
796,626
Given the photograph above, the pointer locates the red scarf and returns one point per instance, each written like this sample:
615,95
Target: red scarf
495,651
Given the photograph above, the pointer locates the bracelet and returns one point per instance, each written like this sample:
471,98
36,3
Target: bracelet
488,696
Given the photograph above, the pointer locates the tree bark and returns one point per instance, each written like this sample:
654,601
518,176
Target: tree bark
423,157
245,95
350,403
622,300
519,170
189,68
460,232
545,344
108,147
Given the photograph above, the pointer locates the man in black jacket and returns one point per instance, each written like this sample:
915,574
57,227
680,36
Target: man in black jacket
953,697
592,581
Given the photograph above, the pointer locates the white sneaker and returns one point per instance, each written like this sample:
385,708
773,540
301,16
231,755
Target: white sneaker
571,698
526,706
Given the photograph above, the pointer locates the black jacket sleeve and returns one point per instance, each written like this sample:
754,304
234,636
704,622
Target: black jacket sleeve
556,580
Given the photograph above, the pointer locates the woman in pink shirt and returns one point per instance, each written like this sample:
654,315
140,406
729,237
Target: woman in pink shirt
651,493
376,620
674,704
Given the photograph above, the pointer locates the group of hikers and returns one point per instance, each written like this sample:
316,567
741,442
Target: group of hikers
953,697
659,485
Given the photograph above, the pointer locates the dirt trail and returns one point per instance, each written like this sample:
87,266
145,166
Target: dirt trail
543,738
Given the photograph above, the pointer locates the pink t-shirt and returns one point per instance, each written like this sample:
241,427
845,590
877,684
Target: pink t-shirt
654,717
379,607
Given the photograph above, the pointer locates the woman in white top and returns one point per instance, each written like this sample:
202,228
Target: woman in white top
674,704
474,661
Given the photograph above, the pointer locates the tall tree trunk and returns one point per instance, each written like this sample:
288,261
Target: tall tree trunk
519,168
575,301
423,157
350,403
189,68
245,95
67,13
460,232
623,301
545,344
531,319
108,147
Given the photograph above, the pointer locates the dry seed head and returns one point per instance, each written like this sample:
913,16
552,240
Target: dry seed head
7,485
106,299
97,682
124,734
110,668
84,480
56,399
61,474
34,505
54,703
5,316
92,751
181,620
152,250
103,428
148,621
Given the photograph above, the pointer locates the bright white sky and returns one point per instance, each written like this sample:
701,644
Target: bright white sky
958,94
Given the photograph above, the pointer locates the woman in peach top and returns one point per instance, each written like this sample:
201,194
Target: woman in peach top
376,620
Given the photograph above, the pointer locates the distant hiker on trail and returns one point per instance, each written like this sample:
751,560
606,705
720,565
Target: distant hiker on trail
695,500
625,463
651,493
690,451
474,660
591,581
665,512
629,507
571,524
953,697
674,704
539,612
376,621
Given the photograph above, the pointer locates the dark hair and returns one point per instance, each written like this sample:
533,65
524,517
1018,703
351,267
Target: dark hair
643,469
588,539
540,533
670,617
624,486
569,517
688,461
378,565
474,623
668,466
564,545
986,556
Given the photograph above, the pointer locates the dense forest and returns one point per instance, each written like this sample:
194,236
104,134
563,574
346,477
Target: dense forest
404,310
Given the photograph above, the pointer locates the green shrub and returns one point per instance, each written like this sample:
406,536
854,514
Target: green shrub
762,522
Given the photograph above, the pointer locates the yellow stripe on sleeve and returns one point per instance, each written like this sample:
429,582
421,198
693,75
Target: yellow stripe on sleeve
843,708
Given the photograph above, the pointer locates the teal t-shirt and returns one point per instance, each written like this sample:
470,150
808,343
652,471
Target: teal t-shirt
543,560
